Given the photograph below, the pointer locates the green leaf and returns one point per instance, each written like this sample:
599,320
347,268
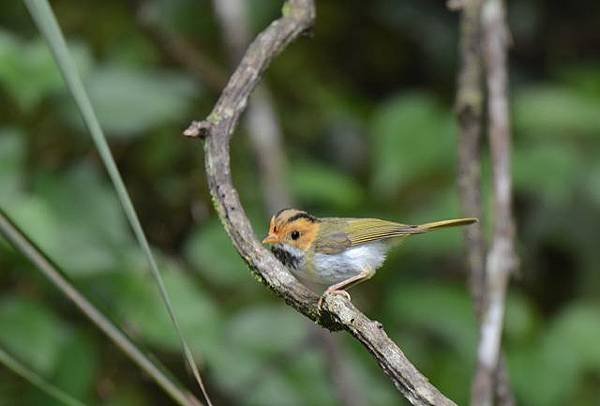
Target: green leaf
412,138
28,71
210,251
579,325
593,183
583,77
531,163
76,368
135,301
31,332
441,204
551,110
444,310
569,346
316,184
266,329
75,218
264,352
130,101
520,321
12,157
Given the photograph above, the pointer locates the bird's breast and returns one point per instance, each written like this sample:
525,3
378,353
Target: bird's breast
333,268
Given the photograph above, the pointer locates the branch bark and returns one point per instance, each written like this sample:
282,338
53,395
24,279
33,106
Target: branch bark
266,139
501,259
338,312
469,108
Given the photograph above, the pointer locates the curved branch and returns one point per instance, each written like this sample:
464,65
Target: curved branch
338,312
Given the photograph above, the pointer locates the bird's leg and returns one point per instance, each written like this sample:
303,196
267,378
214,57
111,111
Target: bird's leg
340,287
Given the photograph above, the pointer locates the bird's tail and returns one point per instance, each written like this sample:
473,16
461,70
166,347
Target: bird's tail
447,223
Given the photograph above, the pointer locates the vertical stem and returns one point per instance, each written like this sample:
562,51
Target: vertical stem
45,20
469,108
501,259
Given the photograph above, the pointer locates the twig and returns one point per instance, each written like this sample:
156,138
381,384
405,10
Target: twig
501,259
338,312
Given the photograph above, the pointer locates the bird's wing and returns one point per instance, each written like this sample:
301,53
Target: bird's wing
331,242
363,231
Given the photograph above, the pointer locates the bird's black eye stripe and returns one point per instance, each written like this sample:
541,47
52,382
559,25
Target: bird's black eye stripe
295,235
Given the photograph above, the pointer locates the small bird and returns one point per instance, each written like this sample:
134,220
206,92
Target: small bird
337,253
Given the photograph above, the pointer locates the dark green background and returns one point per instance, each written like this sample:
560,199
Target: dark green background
365,104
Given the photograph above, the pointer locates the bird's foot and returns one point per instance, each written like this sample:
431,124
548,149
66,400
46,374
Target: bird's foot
332,292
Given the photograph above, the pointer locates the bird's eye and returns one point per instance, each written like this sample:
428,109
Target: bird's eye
295,235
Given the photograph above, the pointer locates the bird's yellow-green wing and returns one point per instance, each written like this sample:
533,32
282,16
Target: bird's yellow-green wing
337,234
342,233
363,231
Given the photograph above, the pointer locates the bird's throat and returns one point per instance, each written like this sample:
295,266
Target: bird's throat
290,257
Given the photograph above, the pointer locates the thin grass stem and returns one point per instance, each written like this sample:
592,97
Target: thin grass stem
23,245
45,20
36,380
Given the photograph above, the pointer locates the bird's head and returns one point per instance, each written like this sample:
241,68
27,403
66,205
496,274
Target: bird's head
294,228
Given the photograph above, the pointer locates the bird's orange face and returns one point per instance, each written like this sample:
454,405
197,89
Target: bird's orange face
293,227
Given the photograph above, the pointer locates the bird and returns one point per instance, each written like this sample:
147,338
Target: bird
336,253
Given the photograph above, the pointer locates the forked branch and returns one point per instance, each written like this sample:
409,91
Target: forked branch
338,312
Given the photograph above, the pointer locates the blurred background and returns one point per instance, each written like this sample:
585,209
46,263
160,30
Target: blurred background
365,105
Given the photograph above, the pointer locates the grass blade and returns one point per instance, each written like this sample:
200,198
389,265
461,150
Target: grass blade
36,380
22,244
45,20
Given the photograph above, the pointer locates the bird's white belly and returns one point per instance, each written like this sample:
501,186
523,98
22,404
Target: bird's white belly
328,269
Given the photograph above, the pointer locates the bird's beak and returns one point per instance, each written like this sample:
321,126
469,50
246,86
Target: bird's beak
270,239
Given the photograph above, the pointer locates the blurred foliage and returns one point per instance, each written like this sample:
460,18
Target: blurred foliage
366,108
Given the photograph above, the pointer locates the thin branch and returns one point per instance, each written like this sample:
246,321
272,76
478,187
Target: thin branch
217,129
501,259
469,108
22,244
45,20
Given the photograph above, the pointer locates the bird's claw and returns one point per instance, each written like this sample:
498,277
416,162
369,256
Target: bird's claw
332,292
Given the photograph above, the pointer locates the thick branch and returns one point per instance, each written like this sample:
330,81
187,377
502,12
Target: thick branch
501,259
266,138
338,312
